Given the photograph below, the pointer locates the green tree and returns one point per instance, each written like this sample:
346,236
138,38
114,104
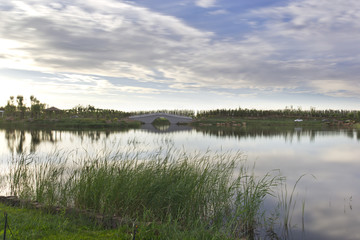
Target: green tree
10,108
21,106
36,107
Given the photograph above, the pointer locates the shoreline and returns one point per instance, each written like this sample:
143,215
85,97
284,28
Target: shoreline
219,122
70,124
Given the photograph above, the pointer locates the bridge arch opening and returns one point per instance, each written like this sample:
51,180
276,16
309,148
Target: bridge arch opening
161,121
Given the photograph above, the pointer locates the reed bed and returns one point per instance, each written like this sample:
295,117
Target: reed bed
214,192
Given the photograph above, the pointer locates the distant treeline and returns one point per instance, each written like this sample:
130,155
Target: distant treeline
37,110
188,113
16,108
288,112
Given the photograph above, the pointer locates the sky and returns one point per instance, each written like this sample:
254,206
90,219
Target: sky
181,54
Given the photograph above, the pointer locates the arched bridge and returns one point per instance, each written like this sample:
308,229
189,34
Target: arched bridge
149,118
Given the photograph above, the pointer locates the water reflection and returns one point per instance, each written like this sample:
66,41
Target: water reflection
19,140
16,139
332,155
287,134
165,128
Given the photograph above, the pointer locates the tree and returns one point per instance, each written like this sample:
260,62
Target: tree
21,106
36,107
10,108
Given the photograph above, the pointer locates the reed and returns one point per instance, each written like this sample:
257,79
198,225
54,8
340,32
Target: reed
287,204
214,192
251,193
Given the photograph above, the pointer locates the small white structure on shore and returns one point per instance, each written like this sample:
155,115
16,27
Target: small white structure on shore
298,120
2,113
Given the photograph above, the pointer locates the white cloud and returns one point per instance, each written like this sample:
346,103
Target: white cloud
205,3
131,43
295,46
312,41
90,85
336,88
318,26
218,12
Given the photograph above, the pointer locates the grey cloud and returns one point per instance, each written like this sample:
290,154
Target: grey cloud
314,40
298,44
61,39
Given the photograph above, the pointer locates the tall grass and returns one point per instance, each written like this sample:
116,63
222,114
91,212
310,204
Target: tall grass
286,207
215,191
250,196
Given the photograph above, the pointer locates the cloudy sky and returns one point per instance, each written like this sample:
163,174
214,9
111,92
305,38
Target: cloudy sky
182,54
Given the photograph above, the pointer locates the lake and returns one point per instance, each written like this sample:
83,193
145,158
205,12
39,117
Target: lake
329,158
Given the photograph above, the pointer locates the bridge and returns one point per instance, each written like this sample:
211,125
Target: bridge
149,118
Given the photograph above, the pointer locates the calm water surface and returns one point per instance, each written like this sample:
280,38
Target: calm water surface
330,159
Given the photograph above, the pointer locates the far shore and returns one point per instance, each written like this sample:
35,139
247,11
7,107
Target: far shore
70,123
219,122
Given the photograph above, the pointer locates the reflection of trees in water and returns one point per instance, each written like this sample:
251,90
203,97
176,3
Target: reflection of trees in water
20,146
16,139
350,134
160,129
94,136
35,140
10,136
288,134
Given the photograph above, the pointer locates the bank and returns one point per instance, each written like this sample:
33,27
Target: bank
69,124
271,122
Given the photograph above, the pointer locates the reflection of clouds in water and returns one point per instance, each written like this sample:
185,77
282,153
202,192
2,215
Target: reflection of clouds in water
335,163
331,212
341,153
332,221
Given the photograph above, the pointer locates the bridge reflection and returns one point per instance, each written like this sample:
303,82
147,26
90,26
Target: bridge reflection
165,128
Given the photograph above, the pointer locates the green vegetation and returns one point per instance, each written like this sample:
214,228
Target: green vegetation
37,110
71,124
252,118
88,117
172,194
34,224
181,112
79,117
281,114
161,121
288,202
263,123
21,111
